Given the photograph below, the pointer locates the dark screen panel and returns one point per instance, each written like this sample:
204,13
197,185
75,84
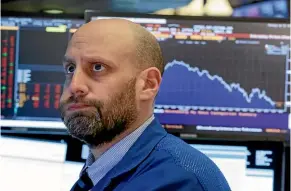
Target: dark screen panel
221,76
40,47
287,168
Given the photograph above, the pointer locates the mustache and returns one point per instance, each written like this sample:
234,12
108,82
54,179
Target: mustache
95,103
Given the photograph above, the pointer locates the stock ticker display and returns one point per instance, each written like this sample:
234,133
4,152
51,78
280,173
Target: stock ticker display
32,74
228,76
225,76
236,73
219,76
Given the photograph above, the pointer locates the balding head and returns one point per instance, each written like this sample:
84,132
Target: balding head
145,47
113,73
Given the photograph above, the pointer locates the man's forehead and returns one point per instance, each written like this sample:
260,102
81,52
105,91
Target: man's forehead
106,27
102,37
84,47
101,42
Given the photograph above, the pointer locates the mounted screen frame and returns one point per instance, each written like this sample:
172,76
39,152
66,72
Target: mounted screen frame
189,129
31,126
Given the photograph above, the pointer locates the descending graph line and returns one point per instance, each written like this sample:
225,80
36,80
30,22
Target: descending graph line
185,87
230,87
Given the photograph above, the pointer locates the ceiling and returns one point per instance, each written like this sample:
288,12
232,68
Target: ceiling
79,6
68,6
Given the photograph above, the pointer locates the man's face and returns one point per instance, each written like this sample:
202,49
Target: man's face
99,97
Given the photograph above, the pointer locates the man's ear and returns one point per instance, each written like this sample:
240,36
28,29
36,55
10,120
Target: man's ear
150,83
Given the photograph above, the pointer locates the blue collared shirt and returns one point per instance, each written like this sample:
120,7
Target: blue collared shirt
99,168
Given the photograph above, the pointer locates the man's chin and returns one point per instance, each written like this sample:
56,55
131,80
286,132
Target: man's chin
92,132
85,132
91,139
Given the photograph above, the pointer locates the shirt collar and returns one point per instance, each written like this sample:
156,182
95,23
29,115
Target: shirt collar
99,168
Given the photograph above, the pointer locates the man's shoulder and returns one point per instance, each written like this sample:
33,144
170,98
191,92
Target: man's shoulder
173,153
181,153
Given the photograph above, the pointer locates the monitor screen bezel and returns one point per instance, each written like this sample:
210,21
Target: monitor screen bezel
89,13
37,126
217,135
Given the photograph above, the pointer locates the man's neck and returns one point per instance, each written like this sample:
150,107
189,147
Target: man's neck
99,150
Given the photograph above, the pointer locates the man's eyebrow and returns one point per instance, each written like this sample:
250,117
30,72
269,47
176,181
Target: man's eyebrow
100,59
67,59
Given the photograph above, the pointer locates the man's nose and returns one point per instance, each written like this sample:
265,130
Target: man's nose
78,86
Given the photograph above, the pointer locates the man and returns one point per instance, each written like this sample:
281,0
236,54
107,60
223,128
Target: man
113,73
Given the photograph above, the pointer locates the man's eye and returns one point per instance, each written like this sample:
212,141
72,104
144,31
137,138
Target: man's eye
98,67
70,69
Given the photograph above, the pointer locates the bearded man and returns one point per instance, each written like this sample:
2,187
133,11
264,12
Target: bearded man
113,71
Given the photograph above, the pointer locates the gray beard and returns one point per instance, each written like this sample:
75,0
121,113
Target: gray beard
92,131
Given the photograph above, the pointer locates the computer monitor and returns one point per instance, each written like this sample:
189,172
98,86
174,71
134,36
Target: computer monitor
32,74
247,166
221,75
31,164
230,76
286,168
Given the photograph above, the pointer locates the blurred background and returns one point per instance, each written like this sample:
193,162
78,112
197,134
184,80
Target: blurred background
234,8
226,88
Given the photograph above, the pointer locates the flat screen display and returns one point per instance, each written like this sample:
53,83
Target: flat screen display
230,76
32,74
221,75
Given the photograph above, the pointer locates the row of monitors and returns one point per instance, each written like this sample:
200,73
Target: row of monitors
246,166
221,76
